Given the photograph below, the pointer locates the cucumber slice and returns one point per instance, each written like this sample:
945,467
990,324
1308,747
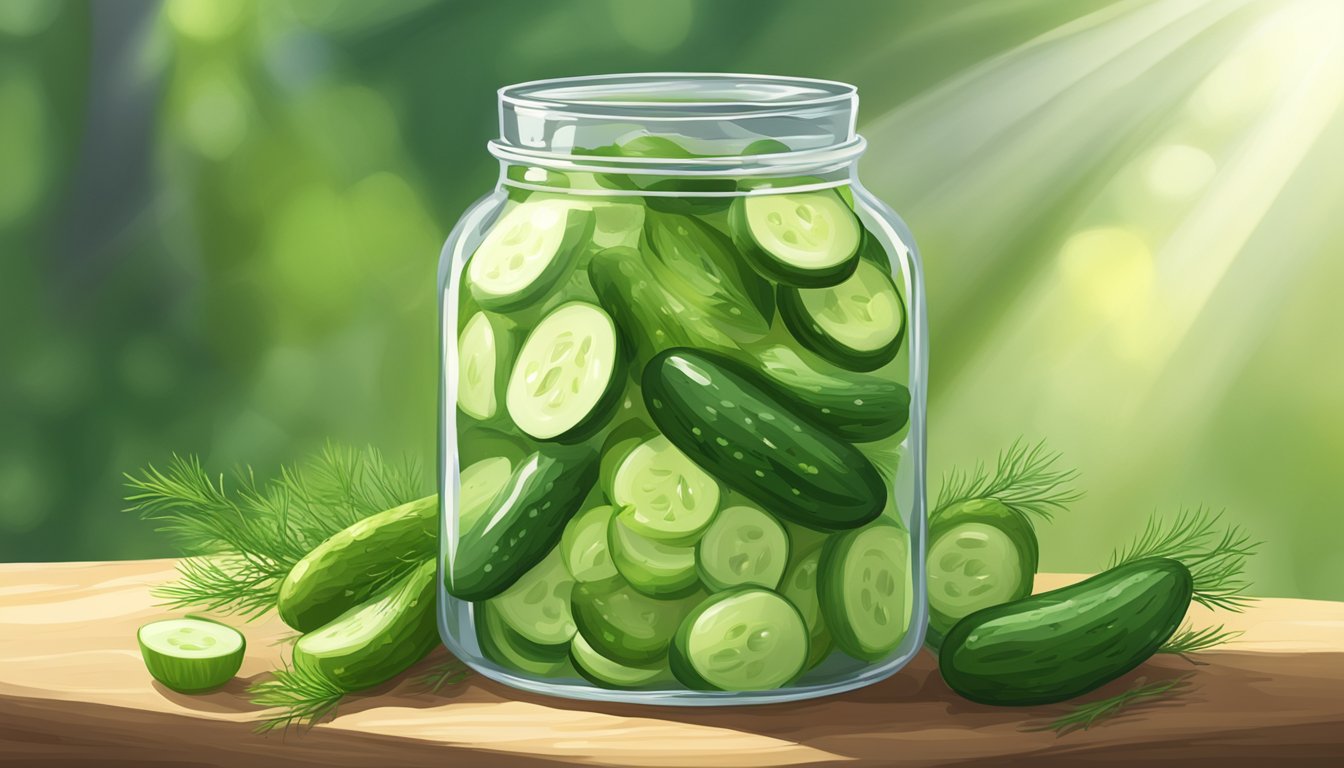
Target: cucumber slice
745,640
625,624
653,567
191,655
537,605
858,324
743,546
672,499
484,352
622,439
477,487
805,239
583,545
866,594
981,553
509,649
608,673
564,373
526,252
800,588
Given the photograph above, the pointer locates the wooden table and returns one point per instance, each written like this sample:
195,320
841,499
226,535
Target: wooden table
73,689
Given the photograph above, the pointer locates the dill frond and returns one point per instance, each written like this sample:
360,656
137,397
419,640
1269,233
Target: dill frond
1215,554
1190,640
448,673
1084,716
302,696
1025,479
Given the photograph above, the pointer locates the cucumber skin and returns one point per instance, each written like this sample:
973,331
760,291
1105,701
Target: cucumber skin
544,500
344,570
404,630
208,674
684,390
774,269
1061,644
578,231
590,622
863,409
811,335
497,640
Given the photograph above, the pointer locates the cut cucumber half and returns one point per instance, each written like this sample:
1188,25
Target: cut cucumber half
671,498
656,568
805,239
583,545
191,655
526,252
743,546
865,589
608,673
537,605
484,352
800,588
502,645
981,554
858,324
565,371
626,625
745,640
477,487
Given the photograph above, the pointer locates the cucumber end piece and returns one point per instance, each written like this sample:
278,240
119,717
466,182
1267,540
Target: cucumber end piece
191,655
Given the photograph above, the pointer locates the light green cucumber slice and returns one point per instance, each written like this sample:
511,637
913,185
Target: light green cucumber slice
484,353
526,252
802,238
623,438
537,605
672,499
800,588
502,645
191,655
656,568
583,545
748,639
625,624
609,673
743,546
565,373
865,588
858,324
477,487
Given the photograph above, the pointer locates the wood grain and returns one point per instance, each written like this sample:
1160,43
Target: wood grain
73,690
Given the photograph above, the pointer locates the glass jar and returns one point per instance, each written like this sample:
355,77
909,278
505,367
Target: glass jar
682,447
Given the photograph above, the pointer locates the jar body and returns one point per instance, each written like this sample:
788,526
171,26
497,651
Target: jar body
682,437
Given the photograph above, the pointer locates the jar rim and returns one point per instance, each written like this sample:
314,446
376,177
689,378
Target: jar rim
678,95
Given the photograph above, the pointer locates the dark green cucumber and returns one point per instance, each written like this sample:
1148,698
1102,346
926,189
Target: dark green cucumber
1061,644
524,521
344,570
626,625
378,639
729,420
859,407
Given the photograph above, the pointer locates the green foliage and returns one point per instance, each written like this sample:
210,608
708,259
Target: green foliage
302,697
1191,640
1024,479
1084,716
1215,554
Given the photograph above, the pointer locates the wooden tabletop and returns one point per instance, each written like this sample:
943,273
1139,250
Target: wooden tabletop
73,689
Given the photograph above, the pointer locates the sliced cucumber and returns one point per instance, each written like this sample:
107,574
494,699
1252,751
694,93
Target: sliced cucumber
981,553
502,645
537,605
616,220
858,324
565,372
866,593
484,353
477,487
743,546
805,239
609,673
526,252
477,443
800,588
191,655
625,624
656,568
583,545
747,639
623,438
669,496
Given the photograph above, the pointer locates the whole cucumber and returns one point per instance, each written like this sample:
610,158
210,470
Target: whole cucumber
378,639
343,571
1061,644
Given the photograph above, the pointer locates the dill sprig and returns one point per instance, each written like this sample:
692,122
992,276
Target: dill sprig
1025,479
1215,554
302,696
448,673
1190,640
1084,716
243,541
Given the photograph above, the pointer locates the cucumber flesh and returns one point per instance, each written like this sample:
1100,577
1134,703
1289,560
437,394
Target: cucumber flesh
526,252
743,546
800,588
748,639
477,487
618,444
981,553
191,655
668,497
858,324
565,370
609,673
801,238
653,567
625,624
502,645
583,545
537,605
866,592
483,356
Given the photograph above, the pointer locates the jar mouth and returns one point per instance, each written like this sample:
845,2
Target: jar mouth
679,95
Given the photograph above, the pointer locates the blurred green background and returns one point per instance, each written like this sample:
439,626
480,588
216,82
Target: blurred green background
220,220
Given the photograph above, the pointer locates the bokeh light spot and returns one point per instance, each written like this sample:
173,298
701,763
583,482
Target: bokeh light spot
1109,270
654,27
1179,171
28,17
206,19
24,149
216,119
